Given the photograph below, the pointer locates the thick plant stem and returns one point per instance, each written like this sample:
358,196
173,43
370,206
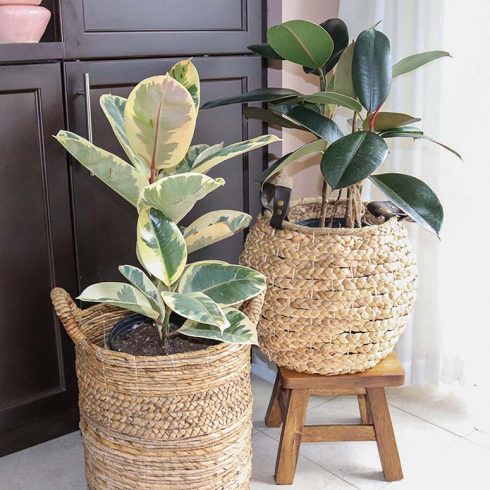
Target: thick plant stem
323,213
165,329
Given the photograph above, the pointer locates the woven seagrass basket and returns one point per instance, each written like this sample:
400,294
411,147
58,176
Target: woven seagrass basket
182,421
337,299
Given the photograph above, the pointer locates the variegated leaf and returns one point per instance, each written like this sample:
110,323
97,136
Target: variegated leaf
161,246
240,331
160,119
140,280
185,73
113,107
110,169
204,165
208,152
197,307
213,227
188,161
224,283
122,295
176,195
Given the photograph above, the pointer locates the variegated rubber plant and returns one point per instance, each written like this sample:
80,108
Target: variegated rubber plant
356,76
165,178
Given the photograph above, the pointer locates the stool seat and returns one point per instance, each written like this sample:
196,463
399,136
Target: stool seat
289,402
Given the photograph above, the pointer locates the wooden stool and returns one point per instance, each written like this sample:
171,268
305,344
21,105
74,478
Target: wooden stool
289,402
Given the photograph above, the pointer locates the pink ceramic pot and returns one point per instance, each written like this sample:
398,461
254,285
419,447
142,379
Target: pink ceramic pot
22,23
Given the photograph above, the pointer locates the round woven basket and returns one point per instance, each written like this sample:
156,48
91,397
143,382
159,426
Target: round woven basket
182,421
337,299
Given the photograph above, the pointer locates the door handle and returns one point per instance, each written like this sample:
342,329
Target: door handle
88,106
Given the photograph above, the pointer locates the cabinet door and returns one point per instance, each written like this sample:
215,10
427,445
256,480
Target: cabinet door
116,28
105,223
37,382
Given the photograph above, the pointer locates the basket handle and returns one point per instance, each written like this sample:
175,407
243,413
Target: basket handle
69,313
275,196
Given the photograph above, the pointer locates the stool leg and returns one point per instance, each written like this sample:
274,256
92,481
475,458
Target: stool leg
385,436
273,416
291,435
364,410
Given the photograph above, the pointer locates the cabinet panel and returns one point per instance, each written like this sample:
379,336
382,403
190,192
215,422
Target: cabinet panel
36,252
112,28
105,223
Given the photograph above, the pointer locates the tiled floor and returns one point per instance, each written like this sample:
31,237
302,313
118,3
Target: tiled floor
441,434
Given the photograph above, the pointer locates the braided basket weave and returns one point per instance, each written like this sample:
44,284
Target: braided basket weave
181,421
337,299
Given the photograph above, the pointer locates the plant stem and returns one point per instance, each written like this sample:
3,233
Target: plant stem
323,213
165,329
335,206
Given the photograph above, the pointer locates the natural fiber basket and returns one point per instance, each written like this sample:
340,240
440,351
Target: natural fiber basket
337,299
182,421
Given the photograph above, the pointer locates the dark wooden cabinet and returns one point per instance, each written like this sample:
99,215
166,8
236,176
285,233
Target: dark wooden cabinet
126,28
104,222
36,252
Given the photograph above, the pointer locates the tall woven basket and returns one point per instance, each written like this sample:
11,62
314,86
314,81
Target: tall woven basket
337,299
165,422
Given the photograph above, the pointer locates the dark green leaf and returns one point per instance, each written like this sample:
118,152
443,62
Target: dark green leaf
342,82
316,146
258,95
413,196
335,99
371,69
386,120
400,129
415,61
353,158
340,36
320,125
418,136
301,42
269,117
265,50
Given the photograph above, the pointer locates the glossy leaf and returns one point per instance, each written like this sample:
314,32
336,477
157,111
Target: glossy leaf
342,81
340,36
386,120
418,136
371,69
160,118
141,281
317,146
334,98
414,197
113,107
214,227
240,331
265,50
120,176
120,295
224,283
269,117
301,42
353,158
206,161
257,95
160,245
415,61
401,129
196,306
316,123
176,195
188,161
186,74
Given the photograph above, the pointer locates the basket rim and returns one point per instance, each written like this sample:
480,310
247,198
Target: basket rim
287,225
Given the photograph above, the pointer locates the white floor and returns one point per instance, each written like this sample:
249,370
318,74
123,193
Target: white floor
443,438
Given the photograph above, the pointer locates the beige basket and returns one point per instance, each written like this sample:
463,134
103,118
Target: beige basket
337,299
165,422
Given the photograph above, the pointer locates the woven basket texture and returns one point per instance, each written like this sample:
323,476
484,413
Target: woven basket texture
337,299
182,421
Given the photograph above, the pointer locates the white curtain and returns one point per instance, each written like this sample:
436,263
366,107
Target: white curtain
443,342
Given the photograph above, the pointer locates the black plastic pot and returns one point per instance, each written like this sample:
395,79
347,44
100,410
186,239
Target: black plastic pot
124,326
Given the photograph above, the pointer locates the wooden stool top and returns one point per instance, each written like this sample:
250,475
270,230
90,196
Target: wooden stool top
389,372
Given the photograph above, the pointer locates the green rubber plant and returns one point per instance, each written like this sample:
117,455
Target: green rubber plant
165,179
358,77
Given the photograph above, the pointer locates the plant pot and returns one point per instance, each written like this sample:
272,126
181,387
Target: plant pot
337,299
182,421
22,23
